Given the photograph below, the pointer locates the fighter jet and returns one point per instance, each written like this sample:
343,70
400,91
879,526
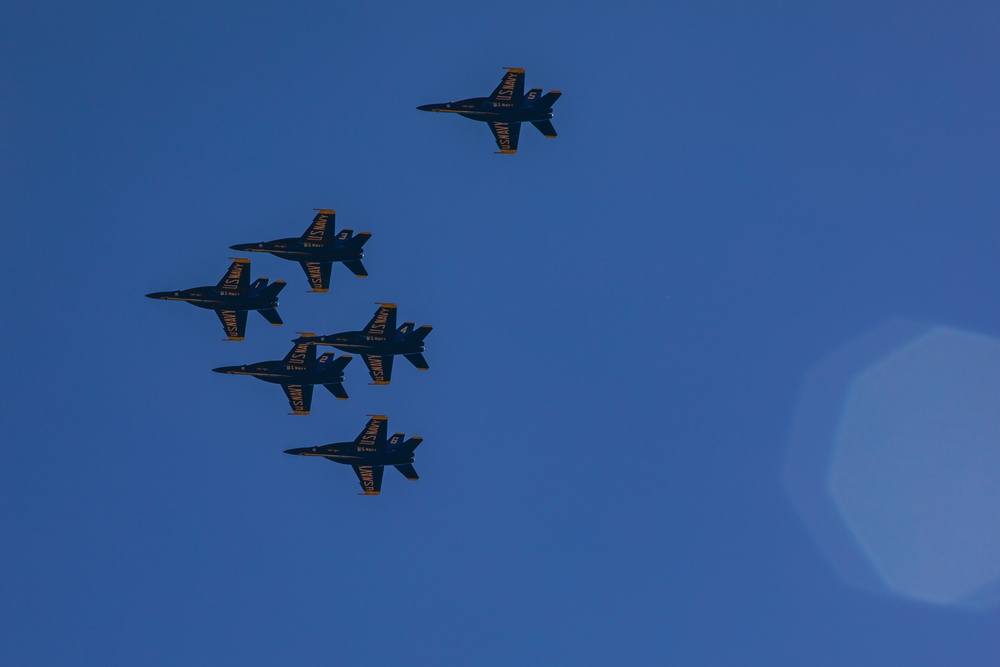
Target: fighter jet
369,454
317,249
232,298
378,342
506,109
297,373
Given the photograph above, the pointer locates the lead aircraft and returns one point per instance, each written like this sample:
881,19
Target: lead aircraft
298,373
232,298
505,109
317,249
369,453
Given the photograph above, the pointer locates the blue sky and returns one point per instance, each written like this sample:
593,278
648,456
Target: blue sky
623,320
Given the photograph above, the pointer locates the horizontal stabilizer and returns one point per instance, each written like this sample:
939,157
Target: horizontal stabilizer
406,328
548,99
545,127
359,240
271,315
274,288
259,284
421,333
418,361
411,444
328,363
532,95
408,471
337,389
357,268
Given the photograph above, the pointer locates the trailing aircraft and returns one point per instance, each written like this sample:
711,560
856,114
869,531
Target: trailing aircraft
298,373
369,453
317,249
232,298
506,108
379,342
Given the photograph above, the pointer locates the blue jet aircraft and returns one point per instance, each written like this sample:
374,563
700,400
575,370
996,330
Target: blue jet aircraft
317,249
369,454
232,298
506,109
297,373
379,342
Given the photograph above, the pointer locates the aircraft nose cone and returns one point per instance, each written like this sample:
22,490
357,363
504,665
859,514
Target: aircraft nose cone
428,107
160,295
226,369
244,247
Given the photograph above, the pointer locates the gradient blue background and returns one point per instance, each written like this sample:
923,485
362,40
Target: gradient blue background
623,318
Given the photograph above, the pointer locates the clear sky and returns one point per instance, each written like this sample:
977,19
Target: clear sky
624,318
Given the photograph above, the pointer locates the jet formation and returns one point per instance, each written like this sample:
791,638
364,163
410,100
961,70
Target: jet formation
232,298
317,249
505,109
379,342
369,454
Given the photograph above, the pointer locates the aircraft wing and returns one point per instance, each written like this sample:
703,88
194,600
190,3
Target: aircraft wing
374,432
383,324
506,135
321,229
318,274
237,278
302,355
300,397
511,88
370,478
379,367
234,322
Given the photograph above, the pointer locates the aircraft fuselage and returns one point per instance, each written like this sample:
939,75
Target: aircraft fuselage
280,373
484,109
350,453
357,341
213,298
301,251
